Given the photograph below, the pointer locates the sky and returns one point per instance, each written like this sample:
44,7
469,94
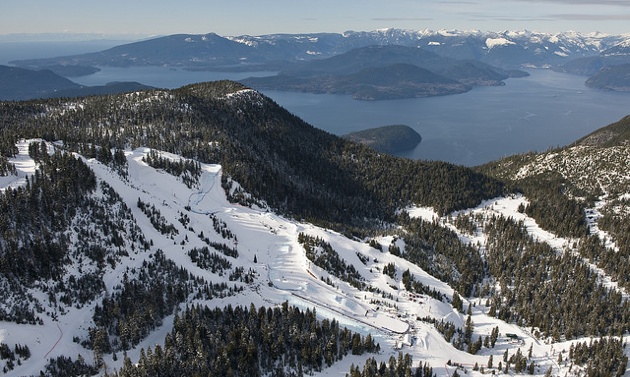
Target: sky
257,17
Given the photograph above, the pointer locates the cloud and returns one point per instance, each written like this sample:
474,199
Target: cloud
555,17
396,19
514,19
592,17
619,3
458,2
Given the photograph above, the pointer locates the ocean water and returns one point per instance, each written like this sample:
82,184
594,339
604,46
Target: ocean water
546,109
160,77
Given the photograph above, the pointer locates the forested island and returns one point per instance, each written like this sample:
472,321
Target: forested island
387,139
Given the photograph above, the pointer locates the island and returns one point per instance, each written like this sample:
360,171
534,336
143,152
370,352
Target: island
387,139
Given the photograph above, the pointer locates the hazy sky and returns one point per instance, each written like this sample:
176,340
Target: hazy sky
255,17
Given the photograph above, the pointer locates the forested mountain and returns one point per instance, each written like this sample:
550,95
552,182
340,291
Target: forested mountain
23,84
375,83
385,72
273,155
608,70
586,195
207,231
616,77
355,60
20,84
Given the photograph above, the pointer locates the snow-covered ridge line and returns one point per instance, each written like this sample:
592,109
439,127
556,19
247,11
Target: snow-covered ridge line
250,96
242,92
593,40
494,42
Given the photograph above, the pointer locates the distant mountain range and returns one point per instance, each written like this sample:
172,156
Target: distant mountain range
326,57
507,49
608,70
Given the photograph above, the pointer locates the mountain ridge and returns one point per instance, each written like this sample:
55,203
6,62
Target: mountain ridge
507,49
23,84
384,72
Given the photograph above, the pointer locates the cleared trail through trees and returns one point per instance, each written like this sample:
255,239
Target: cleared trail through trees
207,184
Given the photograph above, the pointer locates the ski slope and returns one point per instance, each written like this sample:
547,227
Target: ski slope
268,244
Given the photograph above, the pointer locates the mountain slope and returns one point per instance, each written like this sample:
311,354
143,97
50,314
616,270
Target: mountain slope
145,231
374,83
615,134
616,77
589,177
383,72
271,153
608,70
20,84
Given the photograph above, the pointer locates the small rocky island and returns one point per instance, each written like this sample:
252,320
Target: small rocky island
387,139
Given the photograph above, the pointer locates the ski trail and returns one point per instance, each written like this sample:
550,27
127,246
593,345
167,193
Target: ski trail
207,184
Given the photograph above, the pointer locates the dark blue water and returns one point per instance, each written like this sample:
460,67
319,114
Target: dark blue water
160,77
547,109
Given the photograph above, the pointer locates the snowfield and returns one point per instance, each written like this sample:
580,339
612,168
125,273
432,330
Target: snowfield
268,244
24,165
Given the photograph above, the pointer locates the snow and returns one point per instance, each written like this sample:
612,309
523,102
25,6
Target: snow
494,42
244,41
283,274
625,43
544,353
24,165
425,213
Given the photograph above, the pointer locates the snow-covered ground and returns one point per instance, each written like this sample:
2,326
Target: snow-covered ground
283,274
24,165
